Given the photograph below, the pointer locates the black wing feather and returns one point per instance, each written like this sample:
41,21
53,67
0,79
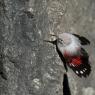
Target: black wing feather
84,41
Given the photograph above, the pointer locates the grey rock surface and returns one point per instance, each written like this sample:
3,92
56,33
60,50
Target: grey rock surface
32,66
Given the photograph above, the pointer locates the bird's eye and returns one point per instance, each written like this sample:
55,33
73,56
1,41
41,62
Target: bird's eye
60,41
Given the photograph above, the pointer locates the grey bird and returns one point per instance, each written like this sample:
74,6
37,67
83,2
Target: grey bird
70,46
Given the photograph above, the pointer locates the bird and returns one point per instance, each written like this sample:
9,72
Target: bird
70,46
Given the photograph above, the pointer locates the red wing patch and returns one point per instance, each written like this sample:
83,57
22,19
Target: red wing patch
79,64
76,60
73,60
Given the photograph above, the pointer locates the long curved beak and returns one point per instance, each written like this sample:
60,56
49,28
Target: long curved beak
52,42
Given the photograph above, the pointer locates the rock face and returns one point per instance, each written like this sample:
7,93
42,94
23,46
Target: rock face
30,66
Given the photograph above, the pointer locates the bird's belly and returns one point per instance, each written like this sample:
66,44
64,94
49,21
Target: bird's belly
72,49
71,52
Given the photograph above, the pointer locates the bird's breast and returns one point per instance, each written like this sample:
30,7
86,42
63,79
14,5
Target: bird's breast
72,49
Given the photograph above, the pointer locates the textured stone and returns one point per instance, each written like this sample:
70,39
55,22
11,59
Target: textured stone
32,66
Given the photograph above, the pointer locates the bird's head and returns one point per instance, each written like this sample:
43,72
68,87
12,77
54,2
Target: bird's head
63,40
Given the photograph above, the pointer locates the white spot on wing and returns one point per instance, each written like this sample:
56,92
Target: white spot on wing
85,69
77,72
73,65
81,72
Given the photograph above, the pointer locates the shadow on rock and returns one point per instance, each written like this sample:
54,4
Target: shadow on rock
2,69
66,88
